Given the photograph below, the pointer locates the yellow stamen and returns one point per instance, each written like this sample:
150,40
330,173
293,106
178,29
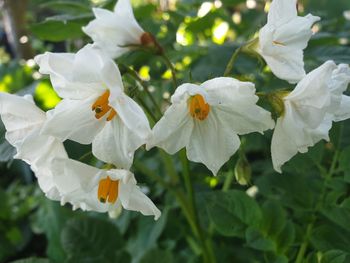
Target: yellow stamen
108,190
198,107
101,107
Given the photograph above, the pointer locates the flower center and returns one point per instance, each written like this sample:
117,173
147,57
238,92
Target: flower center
198,108
101,107
108,190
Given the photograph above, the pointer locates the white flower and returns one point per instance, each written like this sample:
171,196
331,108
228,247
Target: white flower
283,39
309,111
94,106
207,118
89,188
23,122
113,31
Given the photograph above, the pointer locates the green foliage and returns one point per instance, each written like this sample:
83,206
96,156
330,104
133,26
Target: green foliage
300,216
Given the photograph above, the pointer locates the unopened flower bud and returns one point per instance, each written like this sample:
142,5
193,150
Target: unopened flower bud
149,41
243,171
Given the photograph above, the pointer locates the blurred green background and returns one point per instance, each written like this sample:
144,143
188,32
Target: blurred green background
305,209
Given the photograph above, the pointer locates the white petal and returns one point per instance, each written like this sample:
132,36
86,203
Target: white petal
288,65
292,135
132,115
311,97
296,33
282,147
78,184
212,142
40,150
20,116
186,90
338,83
68,74
132,198
282,11
74,120
236,105
87,64
112,31
123,10
111,77
116,144
343,111
172,132
313,86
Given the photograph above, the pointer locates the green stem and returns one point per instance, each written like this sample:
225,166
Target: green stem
232,61
149,111
136,76
171,67
208,253
169,166
228,181
310,226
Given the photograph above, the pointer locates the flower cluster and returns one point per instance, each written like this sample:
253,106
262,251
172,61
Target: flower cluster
206,119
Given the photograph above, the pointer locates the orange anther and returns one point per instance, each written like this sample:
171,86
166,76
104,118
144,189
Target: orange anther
101,107
111,115
108,190
198,107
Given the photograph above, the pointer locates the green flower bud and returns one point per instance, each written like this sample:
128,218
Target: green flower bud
243,171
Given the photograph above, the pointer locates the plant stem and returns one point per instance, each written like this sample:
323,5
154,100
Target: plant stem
149,111
169,166
232,61
208,253
310,226
136,76
228,181
171,67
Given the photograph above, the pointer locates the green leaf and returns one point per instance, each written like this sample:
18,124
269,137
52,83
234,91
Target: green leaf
334,256
91,239
66,6
328,237
257,240
286,238
274,218
339,215
64,27
157,255
147,233
232,212
50,219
